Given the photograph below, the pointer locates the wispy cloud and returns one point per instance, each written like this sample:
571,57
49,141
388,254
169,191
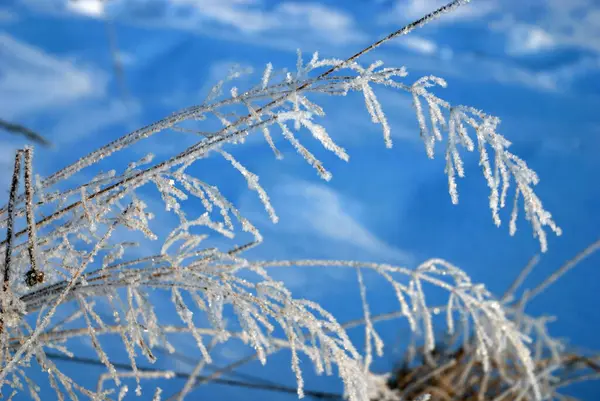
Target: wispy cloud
555,23
319,210
497,29
419,44
477,68
240,20
526,39
252,17
65,102
94,8
243,15
554,27
32,80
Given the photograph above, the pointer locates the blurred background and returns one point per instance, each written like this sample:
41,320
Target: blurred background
77,74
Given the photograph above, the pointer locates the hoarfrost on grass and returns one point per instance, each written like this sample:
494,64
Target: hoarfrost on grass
68,252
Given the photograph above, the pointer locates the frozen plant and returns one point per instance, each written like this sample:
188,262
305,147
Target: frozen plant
70,254
453,369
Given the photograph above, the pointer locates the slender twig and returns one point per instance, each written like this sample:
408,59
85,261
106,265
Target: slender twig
25,347
10,226
18,129
213,367
189,384
227,382
34,276
520,278
579,379
589,250
221,136
190,152
224,370
402,31
111,33
431,374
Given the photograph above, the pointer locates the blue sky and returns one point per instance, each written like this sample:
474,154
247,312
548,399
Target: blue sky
535,65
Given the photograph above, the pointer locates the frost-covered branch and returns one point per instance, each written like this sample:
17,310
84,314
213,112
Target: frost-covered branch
78,251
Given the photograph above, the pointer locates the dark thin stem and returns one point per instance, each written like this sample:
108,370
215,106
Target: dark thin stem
521,277
415,384
18,129
113,46
141,176
224,370
25,347
10,223
593,247
192,361
222,135
402,31
252,95
228,382
31,232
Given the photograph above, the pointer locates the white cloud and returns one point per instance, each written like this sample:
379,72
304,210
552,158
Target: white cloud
524,39
92,8
32,80
476,68
536,27
319,19
325,213
280,25
243,15
573,23
284,22
70,8
550,25
34,83
53,96
419,44
424,46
